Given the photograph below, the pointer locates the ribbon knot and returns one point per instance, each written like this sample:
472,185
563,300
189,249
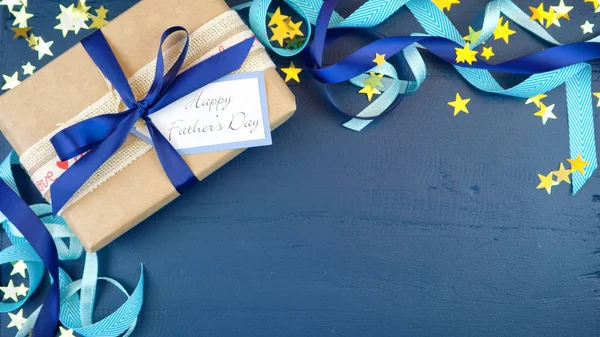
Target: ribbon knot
101,136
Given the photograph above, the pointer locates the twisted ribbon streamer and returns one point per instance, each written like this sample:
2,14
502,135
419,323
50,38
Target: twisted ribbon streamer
103,135
576,76
75,310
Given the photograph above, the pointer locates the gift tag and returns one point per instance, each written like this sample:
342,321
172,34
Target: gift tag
230,113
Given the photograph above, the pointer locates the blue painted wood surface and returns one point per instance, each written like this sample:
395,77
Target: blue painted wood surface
424,224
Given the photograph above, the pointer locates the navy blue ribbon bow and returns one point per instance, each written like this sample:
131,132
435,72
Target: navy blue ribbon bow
103,135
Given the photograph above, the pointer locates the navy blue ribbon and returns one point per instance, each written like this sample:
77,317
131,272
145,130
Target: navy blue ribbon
361,61
34,231
103,135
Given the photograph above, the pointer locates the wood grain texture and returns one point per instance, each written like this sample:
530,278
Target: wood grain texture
424,224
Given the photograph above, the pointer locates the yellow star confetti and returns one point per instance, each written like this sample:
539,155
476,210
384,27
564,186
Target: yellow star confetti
294,28
552,18
369,91
292,73
562,11
19,267
64,332
21,17
10,4
43,48
487,53
587,27
536,99
20,32
594,2
16,320
11,81
280,33
459,104
374,80
545,113
538,13
98,22
446,4
473,35
10,291
33,40
379,59
597,95
502,31
465,54
101,12
277,18
82,11
578,164
562,174
546,182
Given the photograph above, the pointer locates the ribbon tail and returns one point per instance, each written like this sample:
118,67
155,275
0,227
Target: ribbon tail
177,170
72,179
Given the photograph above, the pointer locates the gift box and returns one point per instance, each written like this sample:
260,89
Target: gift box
131,185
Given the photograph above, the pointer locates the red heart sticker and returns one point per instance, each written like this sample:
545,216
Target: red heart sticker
63,164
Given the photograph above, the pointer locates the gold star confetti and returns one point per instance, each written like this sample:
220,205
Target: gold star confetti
64,332
33,40
465,54
10,4
552,18
20,267
597,95
294,28
20,32
578,164
562,11
280,33
545,113
446,4
369,91
459,104
292,73
21,17
10,291
487,53
587,27
536,99
277,19
538,13
101,12
546,182
11,81
98,22
473,35
81,12
562,174
16,320
594,2
502,31
374,80
22,290
43,48
379,59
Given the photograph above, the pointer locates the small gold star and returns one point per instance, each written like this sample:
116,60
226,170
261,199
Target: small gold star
473,35
374,80
552,18
369,91
502,31
459,104
98,22
465,54
578,164
379,59
280,33
292,73
20,32
11,81
33,40
562,174
487,53
536,99
546,182
545,112
294,28
101,12
538,13
277,18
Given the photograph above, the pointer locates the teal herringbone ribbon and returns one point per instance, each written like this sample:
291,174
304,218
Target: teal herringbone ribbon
577,78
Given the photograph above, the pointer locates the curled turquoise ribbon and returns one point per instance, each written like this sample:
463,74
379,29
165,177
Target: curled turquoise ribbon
76,309
577,77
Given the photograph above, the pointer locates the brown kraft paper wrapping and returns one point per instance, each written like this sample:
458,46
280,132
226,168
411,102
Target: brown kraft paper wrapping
71,83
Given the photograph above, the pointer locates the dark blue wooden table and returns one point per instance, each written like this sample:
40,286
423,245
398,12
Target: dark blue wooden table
424,224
